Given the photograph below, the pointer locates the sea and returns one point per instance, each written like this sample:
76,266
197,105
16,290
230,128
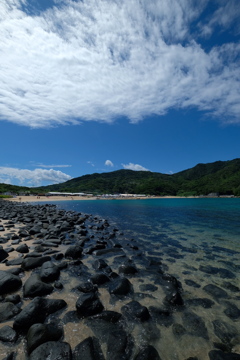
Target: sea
198,242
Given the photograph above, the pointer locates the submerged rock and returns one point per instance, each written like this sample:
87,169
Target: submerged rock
88,304
88,349
52,350
41,333
148,353
34,286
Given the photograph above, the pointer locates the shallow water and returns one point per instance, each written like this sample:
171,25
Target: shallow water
188,235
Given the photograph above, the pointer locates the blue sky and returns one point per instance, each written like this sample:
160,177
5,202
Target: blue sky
97,86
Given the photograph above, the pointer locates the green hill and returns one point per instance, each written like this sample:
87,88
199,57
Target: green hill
222,177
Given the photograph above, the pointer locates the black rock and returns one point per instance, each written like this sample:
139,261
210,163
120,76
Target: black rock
16,261
41,333
203,302
99,264
8,310
174,299
148,287
194,325
52,350
220,355
88,304
86,287
88,349
99,279
148,353
225,332
192,283
34,286
23,249
119,346
7,334
3,255
232,311
9,282
74,252
36,312
15,299
134,310
11,356
49,272
120,286
127,269
32,262
215,291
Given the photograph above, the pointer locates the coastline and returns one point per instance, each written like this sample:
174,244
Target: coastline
49,199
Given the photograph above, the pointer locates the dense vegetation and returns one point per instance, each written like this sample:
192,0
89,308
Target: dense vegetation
221,177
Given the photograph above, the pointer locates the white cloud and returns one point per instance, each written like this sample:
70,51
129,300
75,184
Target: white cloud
31,177
109,163
91,163
99,60
135,167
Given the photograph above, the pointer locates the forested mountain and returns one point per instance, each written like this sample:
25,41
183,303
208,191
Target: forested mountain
222,177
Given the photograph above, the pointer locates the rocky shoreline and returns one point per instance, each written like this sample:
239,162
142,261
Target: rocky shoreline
64,270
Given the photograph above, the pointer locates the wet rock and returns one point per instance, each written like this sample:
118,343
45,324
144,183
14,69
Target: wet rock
162,316
9,282
225,332
99,279
36,312
227,285
58,285
194,325
134,310
74,252
232,311
49,272
223,273
16,261
7,334
34,286
41,333
86,287
148,287
99,264
3,255
32,262
215,291
203,302
8,310
122,348
127,269
174,299
88,349
23,249
88,304
15,299
120,286
148,353
52,350
192,283
11,356
220,355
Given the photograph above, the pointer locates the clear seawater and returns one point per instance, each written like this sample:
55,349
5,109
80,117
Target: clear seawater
193,238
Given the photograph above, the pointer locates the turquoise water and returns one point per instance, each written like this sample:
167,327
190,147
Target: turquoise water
198,242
